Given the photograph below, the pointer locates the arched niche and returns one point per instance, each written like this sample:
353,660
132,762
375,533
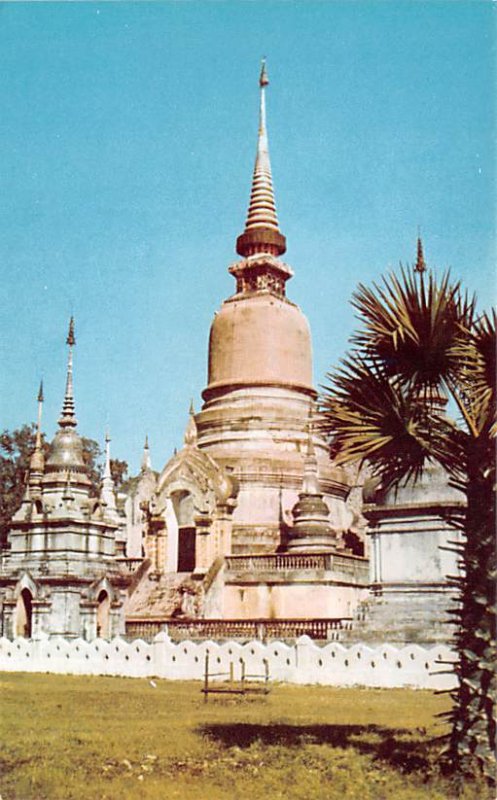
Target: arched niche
103,615
24,614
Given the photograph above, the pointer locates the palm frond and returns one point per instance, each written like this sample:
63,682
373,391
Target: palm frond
369,416
410,322
474,352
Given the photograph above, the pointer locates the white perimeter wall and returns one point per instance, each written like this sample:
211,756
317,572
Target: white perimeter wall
304,662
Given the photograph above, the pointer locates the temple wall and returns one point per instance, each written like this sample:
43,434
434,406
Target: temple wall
301,663
411,556
413,549
291,601
134,523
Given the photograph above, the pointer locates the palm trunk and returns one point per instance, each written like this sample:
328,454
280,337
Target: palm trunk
473,722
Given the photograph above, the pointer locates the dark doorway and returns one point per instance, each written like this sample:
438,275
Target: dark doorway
184,509
186,549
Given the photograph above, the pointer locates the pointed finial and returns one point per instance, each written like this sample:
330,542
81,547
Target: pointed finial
146,464
67,418
190,437
107,472
40,411
310,442
71,340
192,408
263,79
420,265
262,234
310,480
107,494
37,460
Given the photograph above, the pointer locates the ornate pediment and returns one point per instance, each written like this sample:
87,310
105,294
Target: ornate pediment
26,581
193,471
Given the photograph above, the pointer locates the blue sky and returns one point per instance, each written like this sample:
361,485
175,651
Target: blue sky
128,136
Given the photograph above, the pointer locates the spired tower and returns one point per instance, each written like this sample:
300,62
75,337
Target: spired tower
260,395
59,575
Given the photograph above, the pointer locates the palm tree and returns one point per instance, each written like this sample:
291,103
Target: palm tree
421,342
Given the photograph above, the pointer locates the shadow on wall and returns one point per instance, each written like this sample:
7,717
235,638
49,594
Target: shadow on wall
406,750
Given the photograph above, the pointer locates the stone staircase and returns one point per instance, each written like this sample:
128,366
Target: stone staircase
162,595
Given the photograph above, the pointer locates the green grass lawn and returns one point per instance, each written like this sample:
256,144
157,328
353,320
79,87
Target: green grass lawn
100,738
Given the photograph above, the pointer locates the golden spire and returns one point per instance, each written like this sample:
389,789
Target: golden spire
67,418
262,234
